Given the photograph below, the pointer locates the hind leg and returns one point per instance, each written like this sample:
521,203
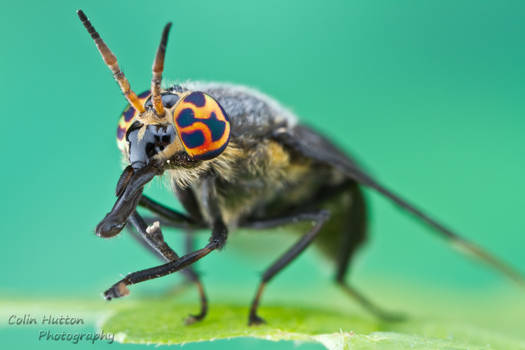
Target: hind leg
353,235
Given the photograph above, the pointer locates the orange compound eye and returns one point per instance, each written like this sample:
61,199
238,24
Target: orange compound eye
202,125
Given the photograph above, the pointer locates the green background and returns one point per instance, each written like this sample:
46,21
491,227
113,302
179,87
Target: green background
427,94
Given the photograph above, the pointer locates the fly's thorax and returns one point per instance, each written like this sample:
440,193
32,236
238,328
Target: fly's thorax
185,171
249,176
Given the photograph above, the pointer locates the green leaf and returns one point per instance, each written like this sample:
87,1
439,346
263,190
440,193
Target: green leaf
488,321
161,321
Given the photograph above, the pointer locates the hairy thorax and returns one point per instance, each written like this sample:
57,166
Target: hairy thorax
251,181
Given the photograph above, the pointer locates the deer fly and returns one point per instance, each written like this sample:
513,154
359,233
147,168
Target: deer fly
236,158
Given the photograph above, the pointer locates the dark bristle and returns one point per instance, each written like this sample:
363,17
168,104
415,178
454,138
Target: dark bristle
85,21
82,15
165,34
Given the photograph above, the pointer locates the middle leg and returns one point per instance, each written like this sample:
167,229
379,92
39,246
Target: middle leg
284,260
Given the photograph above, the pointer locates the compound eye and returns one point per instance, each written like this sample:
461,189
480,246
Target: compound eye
126,121
202,125
168,101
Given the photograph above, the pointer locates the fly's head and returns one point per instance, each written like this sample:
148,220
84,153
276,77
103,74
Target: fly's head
194,128
160,129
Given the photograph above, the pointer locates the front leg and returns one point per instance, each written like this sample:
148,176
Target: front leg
217,240
151,237
171,217
318,219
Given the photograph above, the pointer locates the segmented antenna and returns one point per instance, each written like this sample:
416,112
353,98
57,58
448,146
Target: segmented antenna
111,62
158,67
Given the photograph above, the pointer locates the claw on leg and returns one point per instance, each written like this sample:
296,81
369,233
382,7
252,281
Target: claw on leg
116,291
191,319
255,320
383,315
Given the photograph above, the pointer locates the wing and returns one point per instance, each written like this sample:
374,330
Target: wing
313,145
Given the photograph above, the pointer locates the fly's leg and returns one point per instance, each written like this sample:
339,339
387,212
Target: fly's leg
360,298
138,238
168,216
151,238
318,219
353,234
193,276
217,241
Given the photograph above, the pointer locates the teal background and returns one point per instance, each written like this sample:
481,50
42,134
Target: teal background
428,94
